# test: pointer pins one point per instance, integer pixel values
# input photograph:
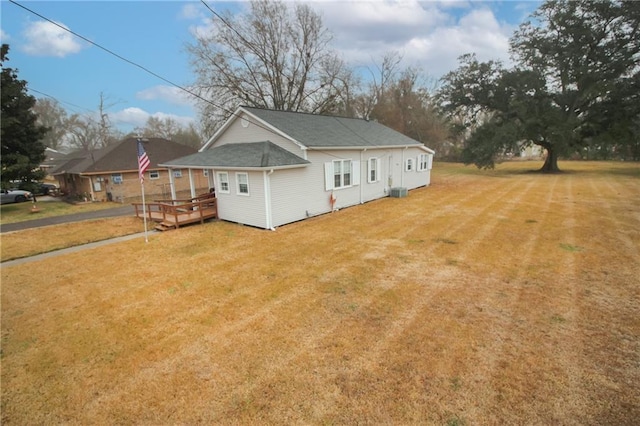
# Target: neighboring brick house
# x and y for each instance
(111, 173)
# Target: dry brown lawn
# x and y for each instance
(495, 297)
(15, 245)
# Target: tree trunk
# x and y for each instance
(551, 162)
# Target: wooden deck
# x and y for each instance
(171, 214)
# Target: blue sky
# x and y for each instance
(153, 34)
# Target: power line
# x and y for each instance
(147, 70)
(111, 52)
(143, 68)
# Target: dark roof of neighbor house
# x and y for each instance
(52, 158)
(241, 155)
(323, 131)
(122, 156)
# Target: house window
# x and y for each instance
(374, 170)
(242, 180)
(116, 178)
(223, 182)
(205, 172)
(177, 173)
(341, 173)
(423, 162)
(409, 165)
(154, 174)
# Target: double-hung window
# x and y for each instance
(409, 165)
(423, 162)
(242, 180)
(223, 182)
(373, 172)
(341, 173)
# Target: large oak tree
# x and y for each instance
(574, 87)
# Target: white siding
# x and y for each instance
(237, 133)
(414, 178)
(248, 210)
(292, 195)
(299, 193)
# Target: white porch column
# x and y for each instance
(191, 185)
(172, 184)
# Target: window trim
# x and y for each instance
(373, 165)
(423, 162)
(408, 165)
(116, 178)
(152, 172)
(341, 173)
(238, 187)
(177, 173)
(223, 178)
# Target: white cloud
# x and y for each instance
(137, 117)
(43, 38)
(170, 94)
(191, 11)
(431, 35)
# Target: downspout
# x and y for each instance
(267, 199)
(362, 181)
(402, 167)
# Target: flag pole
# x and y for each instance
(143, 165)
(144, 213)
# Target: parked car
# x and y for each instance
(14, 196)
(47, 189)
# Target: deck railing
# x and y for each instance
(178, 212)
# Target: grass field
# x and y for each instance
(29, 242)
(500, 297)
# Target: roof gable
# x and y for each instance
(323, 131)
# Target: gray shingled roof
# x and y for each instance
(324, 131)
(240, 155)
(122, 156)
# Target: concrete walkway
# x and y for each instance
(125, 210)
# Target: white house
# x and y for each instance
(270, 167)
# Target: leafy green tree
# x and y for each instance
(574, 86)
(21, 136)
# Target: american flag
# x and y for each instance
(143, 161)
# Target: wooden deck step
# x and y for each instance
(163, 226)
